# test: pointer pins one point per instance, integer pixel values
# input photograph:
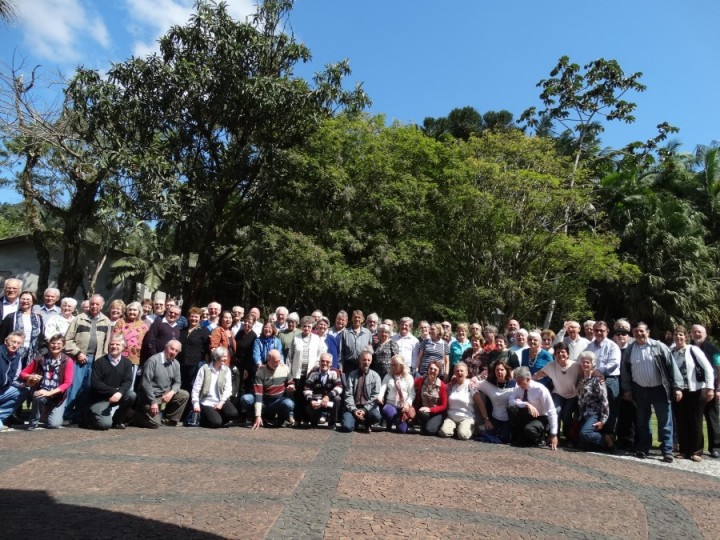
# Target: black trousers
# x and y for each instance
(525, 429)
(212, 418)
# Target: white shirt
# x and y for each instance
(9, 308)
(407, 345)
(607, 357)
(212, 397)
(540, 398)
(460, 402)
(575, 347)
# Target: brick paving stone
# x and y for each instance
(705, 512)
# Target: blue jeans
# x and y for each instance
(77, 397)
(588, 435)
(657, 398)
(9, 400)
(54, 411)
(276, 410)
(348, 419)
(565, 408)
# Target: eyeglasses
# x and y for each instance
(622, 332)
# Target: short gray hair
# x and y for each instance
(522, 372)
(69, 301)
(587, 354)
(218, 353)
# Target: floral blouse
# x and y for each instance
(133, 332)
(592, 398)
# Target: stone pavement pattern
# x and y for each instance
(281, 483)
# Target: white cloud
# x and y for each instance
(59, 30)
(152, 18)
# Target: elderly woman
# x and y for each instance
(266, 342)
(287, 336)
(116, 310)
(475, 358)
(459, 345)
(534, 357)
(501, 352)
(384, 352)
(593, 406)
(133, 329)
(489, 333)
(27, 322)
(396, 395)
(328, 343)
(304, 356)
(521, 339)
(212, 389)
(697, 374)
(547, 338)
(460, 419)
(48, 378)
(430, 400)
(497, 388)
(434, 348)
(59, 323)
(564, 374)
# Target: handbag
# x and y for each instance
(409, 415)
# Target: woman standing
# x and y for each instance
(697, 374)
(116, 310)
(430, 400)
(385, 351)
(396, 395)
(593, 406)
(133, 329)
(460, 419)
(434, 348)
(222, 336)
(59, 323)
(459, 345)
(535, 357)
(564, 375)
(328, 343)
(474, 357)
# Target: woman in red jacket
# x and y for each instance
(430, 399)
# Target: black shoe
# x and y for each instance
(640, 454)
(118, 425)
(714, 454)
(667, 458)
(169, 423)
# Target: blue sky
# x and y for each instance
(419, 58)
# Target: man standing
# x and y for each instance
(650, 378)
(238, 313)
(531, 411)
(406, 341)
(258, 324)
(11, 295)
(588, 327)
(607, 365)
(361, 393)
(353, 341)
(213, 316)
(86, 338)
(323, 393)
(625, 426)
(341, 320)
(162, 330)
(110, 387)
(510, 330)
(273, 392)
(574, 341)
(161, 384)
(158, 310)
(699, 339)
(49, 307)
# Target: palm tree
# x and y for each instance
(7, 10)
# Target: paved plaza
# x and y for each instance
(282, 483)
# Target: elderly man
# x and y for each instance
(258, 324)
(238, 312)
(10, 393)
(158, 310)
(160, 384)
(531, 411)
(273, 393)
(521, 338)
(352, 341)
(361, 393)
(213, 319)
(323, 393)
(573, 340)
(650, 378)
(371, 323)
(588, 329)
(511, 329)
(86, 338)
(111, 395)
(49, 307)
(712, 353)
(406, 341)
(341, 320)
(607, 366)
(162, 330)
(10, 299)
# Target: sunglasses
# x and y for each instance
(622, 332)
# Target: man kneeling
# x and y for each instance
(323, 391)
(160, 383)
(361, 393)
(111, 387)
(273, 386)
(530, 411)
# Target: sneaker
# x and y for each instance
(640, 454)
(169, 423)
(118, 425)
(667, 458)
(33, 426)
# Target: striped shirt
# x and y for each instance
(271, 384)
(643, 368)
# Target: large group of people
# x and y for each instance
(147, 364)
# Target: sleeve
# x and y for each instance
(291, 355)
(68, 376)
(215, 338)
(410, 390)
(375, 385)
(604, 404)
(197, 385)
(146, 381)
(549, 407)
(257, 351)
(71, 347)
(175, 387)
(279, 347)
(127, 377)
(513, 400)
(701, 359)
(349, 395)
(29, 370)
(309, 382)
(417, 385)
(382, 392)
(613, 362)
(259, 391)
(227, 391)
(338, 388)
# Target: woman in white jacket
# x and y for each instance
(396, 395)
(697, 391)
(304, 356)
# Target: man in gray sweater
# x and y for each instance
(161, 385)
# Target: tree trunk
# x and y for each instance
(96, 273)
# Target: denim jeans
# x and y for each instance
(565, 408)
(77, 396)
(589, 436)
(657, 398)
(277, 409)
(348, 419)
(9, 401)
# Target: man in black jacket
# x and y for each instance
(712, 418)
(110, 388)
